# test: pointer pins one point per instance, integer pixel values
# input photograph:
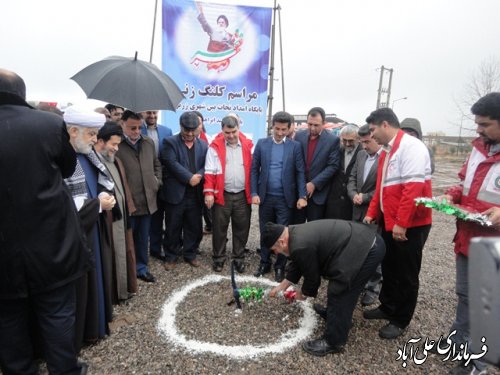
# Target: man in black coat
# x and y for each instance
(344, 253)
(183, 161)
(42, 250)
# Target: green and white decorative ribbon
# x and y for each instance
(442, 205)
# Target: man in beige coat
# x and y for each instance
(137, 152)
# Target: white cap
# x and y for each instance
(85, 117)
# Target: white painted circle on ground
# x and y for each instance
(167, 327)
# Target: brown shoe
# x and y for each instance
(169, 266)
(193, 262)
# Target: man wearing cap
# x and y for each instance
(109, 138)
(157, 133)
(183, 160)
(92, 192)
(43, 251)
(138, 154)
(342, 252)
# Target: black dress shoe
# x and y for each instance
(320, 310)
(262, 270)
(375, 314)
(369, 298)
(390, 331)
(239, 267)
(279, 275)
(158, 256)
(147, 277)
(321, 348)
(217, 267)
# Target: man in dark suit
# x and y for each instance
(322, 159)
(183, 160)
(338, 204)
(342, 252)
(277, 180)
(42, 250)
(363, 176)
(157, 133)
(360, 189)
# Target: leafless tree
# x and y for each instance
(485, 79)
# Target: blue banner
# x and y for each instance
(219, 57)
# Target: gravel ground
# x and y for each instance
(136, 346)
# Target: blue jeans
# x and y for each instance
(341, 306)
(140, 226)
(273, 209)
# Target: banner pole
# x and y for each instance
(271, 73)
(281, 59)
(153, 35)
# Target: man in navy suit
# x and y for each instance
(321, 151)
(277, 179)
(157, 133)
(183, 160)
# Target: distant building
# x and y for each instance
(443, 144)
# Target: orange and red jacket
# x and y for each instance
(408, 177)
(215, 172)
(479, 190)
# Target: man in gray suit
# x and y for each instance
(360, 189)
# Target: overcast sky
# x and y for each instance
(332, 50)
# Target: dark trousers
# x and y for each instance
(274, 209)
(184, 221)
(400, 270)
(156, 230)
(311, 212)
(341, 306)
(54, 314)
(237, 210)
(207, 216)
(141, 225)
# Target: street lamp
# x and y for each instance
(394, 101)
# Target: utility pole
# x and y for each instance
(384, 94)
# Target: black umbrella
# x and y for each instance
(134, 84)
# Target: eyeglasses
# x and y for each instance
(187, 131)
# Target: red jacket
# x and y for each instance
(408, 177)
(215, 168)
(479, 190)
